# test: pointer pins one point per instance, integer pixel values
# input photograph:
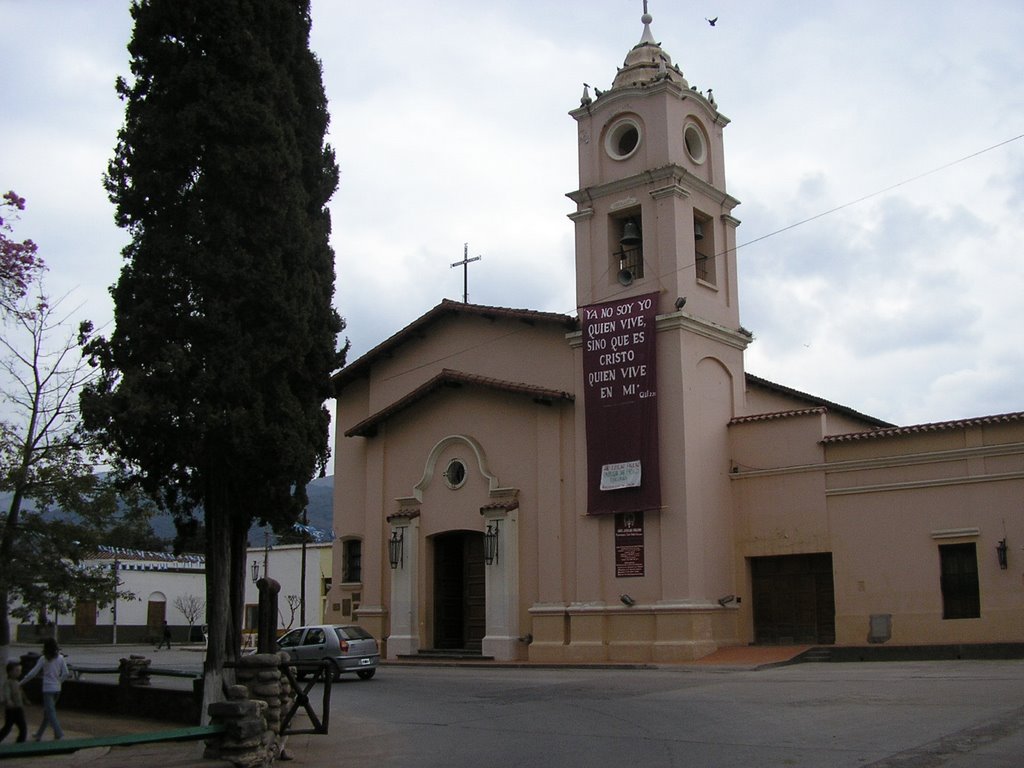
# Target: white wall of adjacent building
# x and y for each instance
(159, 582)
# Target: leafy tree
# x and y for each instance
(128, 524)
(57, 510)
(214, 379)
(190, 535)
(20, 263)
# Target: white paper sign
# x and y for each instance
(624, 475)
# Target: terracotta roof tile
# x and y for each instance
(916, 429)
(507, 504)
(778, 415)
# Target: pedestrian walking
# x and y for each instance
(166, 638)
(14, 703)
(55, 671)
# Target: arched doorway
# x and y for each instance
(459, 591)
(156, 615)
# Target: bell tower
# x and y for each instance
(652, 211)
(653, 218)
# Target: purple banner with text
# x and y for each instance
(621, 401)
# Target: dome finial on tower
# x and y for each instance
(647, 36)
(646, 63)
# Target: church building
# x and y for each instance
(615, 487)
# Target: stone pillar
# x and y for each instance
(261, 676)
(266, 639)
(133, 671)
(253, 713)
(243, 742)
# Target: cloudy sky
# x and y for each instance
(449, 119)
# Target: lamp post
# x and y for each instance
(113, 607)
(302, 575)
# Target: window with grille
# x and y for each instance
(352, 561)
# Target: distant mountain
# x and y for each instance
(319, 514)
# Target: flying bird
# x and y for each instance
(711, 21)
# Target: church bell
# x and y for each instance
(630, 235)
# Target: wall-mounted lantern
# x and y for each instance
(396, 548)
(1001, 549)
(255, 571)
(491, 543)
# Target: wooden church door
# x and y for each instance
(459, 591)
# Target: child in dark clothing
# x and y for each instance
(14, 703)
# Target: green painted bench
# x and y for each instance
(61, 746)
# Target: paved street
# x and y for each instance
(881, 714)
(884, 715)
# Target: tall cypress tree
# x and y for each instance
(215, 375)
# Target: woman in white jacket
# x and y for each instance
(55, 672)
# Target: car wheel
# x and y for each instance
(366, 674)
(333, 669)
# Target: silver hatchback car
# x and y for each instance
(345, 648)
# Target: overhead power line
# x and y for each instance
(788, 227)
(880, 192)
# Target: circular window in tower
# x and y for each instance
(622, 139)
(696, 146)
(455, 474)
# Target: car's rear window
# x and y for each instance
(353, 633)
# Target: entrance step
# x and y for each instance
(452, 654)
(817, 654)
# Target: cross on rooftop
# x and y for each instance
(465, 271)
